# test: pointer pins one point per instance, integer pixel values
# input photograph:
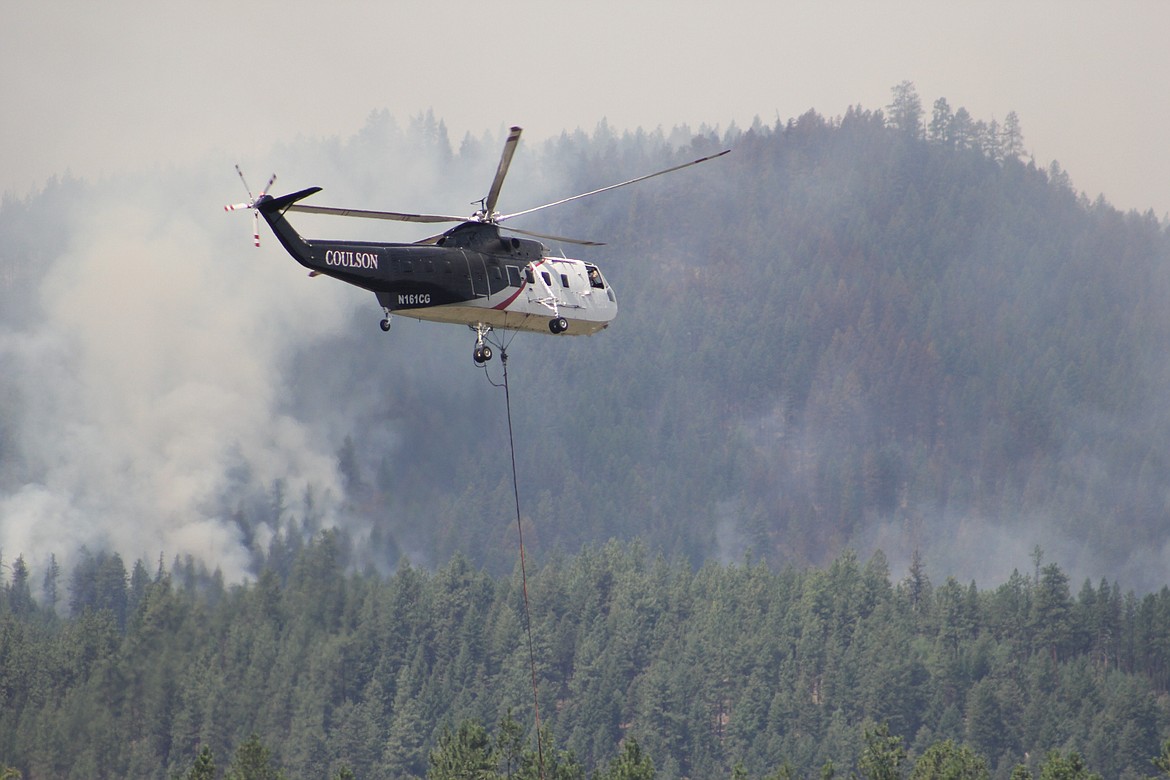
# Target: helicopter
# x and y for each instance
(471, 274)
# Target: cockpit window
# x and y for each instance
(595, 279)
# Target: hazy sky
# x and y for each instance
(95, 88)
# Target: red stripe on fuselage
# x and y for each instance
(504, 305)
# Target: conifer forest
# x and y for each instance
(868, 479)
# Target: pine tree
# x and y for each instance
(1052, 616)
(1013, 137)
(630, 764)
(1059, 766)
(253, 762)
(204, 766)
(1162, 761)
(19, 594)
(464, 754)
(940, 123)
(948, 761)
(883, 755)
(905, 110)
(50, 588)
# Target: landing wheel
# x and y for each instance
(482, 354)
(385, 325)
(558, 324)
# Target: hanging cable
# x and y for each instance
(523, 568)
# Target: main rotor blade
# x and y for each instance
(431, 240)
(579, 241)
(395, 216)
(613, 186)
(493, 195)
(582, 242)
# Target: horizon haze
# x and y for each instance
(94, 91)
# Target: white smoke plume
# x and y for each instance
(151, 378)
(167, 374)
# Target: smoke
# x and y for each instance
(150, 378)
(162, 376)
(972, 547)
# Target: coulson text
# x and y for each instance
(348, 259)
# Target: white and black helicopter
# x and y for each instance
(471, 274)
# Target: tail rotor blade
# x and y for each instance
(251, 204)
(245, 181)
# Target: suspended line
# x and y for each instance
(523, 571)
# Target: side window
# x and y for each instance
(547, 279)
(529, 276)
(513, 276)
(564, 280)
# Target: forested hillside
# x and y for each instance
(841, 333)
(890, 332)
(723, 668)
(885, 330)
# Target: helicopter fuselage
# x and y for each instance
(471, 274)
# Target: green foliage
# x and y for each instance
(204, 766)
(252, 761)
(465, 754)
(630, 764)
(883, 755)
(644, 667)
(1071, 766)
(1162, 760)
(894, 327)
(469, 753)
(948, 761)
(782, 772)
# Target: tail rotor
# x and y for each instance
(251, 204)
